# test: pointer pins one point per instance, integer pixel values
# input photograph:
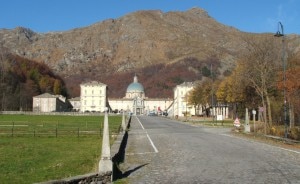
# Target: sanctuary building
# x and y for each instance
(93, 98)
(136, 102)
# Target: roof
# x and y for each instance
(187, 84)
(45, 95)
(135, 86)
(75, 99)
(93, 83)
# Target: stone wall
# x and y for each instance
(91, 178)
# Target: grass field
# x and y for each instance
(26, 157)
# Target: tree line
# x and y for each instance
(21, 79)
(257, 82)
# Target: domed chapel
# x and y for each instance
(135, 89)
(136, 102)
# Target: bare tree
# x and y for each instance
(259, 68)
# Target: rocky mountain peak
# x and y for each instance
(24, 31)
(198, 12)
(129, 43)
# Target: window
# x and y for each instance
(100, 92)
(92, 92)
(84, 102)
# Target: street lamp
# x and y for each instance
(280, 33)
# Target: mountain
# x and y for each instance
(113, 50)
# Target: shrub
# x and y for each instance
(295, 133)
(277, 131)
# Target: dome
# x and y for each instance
(135, 86)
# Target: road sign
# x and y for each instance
(236, 122)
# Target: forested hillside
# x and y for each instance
(21, 79)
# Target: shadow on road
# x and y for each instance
(120, 157)
(127, 173)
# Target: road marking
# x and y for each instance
(298, 152)
(155, 149)
(151, 142)
(140, 123)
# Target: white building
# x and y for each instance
(137, 103)
(180, 106)
(93, 97)
(75, 102)
(49, 103)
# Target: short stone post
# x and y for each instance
(254, 113)
(247, 125)
(105, 164)
(123, 122)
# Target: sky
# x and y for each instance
(255, 16)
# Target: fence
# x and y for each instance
(50, 129)
(54, 113)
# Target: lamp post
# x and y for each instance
(280, 33)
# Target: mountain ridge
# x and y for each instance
(129, 44)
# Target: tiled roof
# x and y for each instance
(45, 95)
(93, 83)
(75, 99)
(187, 84)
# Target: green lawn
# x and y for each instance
(28, 158)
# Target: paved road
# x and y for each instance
(160, 150)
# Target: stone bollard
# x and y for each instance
(247, 125)
(105, 164)
(123, 123)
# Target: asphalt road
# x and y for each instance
(160, 150)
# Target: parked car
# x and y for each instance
(152, 113)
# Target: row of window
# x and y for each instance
(93, 102)
(92, 92)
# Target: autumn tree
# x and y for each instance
(258, 68)
(201, 96)
(231, 90)
(292, 85)
(57, 87)
(195, 97)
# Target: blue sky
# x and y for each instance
(256, 16)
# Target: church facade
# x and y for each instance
(136, 102)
